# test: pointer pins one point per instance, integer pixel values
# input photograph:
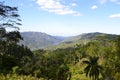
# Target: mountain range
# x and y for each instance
(38, 40)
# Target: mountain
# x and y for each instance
(37, 40)
(82, 39)
(90, 36)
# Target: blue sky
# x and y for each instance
(69, 17)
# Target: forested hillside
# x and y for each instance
(96, 59)
(82, 39)
(38, 40)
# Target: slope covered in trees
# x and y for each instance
(38, 40)
(98, 59)
(82, 39)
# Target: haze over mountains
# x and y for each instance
(38, 40)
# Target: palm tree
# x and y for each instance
(92, 69)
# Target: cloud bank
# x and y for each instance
(56, 7)
(114, 16)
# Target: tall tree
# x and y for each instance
(9, 20)
(9, 16)
(92, 69)
(10, 51)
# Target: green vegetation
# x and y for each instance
(92, 69)
(98, 59)
(38, 40)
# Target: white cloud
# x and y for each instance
(56, 7)
(73, 4)
(114, 16)
(94, 7)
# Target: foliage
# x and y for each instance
(18, 77)
(9, 16)
(92, 69)
(18, 62)
(11, 52)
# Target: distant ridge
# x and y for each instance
(89, 36)
(38, 40)
(82, 39)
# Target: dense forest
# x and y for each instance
(99, 59)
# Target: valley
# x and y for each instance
(38, 40)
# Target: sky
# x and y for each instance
(68, 17)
